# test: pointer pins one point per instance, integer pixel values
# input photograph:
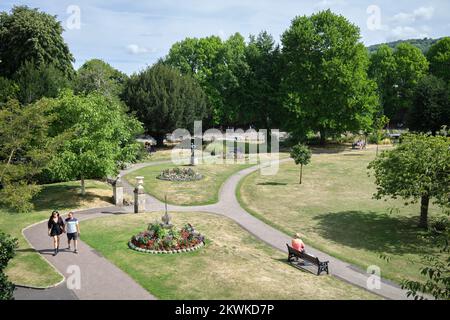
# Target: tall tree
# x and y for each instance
(326, 75)
(383, 69)
(418, 169)
(411, 66)
(439, 58)
(26, 148)
(103, 137)
(30, 35)
(431, 106)
(199, 58)
(165, 100)
(98, 76)
(8, 90)
(260, 86)
(218, 66)
(36, 81)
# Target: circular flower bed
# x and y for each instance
(158, 239)
(180, 174)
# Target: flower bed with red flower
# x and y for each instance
(159, 239)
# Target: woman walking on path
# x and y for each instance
(55, 229)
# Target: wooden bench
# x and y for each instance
(308, 261)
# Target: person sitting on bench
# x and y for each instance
(297, 243)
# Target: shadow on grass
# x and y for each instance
(372, 231)
(58, 197)
(331, 149)
(272, 184)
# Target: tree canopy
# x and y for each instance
(30, 35)
(262, 101)
(98, 76)
(302, 156)
(102, 136)
(419, 168)
(26, 148)
(439, 58)
(165, 100)
(325, 79)
(219, 67)
(430, 110)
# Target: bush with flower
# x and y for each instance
(180, 174)
(158, 238)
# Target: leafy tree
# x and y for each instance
(262, 105)
(417, 169)
(439, 58)
(397, 74)
(36, 81)
(25, 150)
(325, 76)
(30, 35)
(383, 69)
(431, 106)
(8, 90)
(302, 156)
(103, 137)
(98, 76)
(199, 58)
(437, 271)
(411, 66)
(8, 248)
(165, 100)
(218, 66)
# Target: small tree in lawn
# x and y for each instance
(418, 169)
(302, 156)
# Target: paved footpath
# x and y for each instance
(100, 279)
(103, 280)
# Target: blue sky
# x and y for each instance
(131, 35)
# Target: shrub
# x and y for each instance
(8, 246)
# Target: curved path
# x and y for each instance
(100, 279)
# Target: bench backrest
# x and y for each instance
(303, 255)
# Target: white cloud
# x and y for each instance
(135, 49)
(330, 3)
(422, 13)
(401, 33)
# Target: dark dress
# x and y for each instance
(56, 228)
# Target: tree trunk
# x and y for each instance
(424, 203)
(323, 137)
(160, 140)
(83, 186)
(301, 173)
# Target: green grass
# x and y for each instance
(334, 211)
(201, 192)
(205, 191)
(28, 267)
(233, 264)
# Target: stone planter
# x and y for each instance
(174, 251)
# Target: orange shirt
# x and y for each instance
(298, 244)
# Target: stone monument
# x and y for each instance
(118, 191)
(139, 196)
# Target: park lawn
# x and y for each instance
(334, 211)
(233, 264)
(28, 267)
(202, 192)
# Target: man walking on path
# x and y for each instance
(73, 231)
